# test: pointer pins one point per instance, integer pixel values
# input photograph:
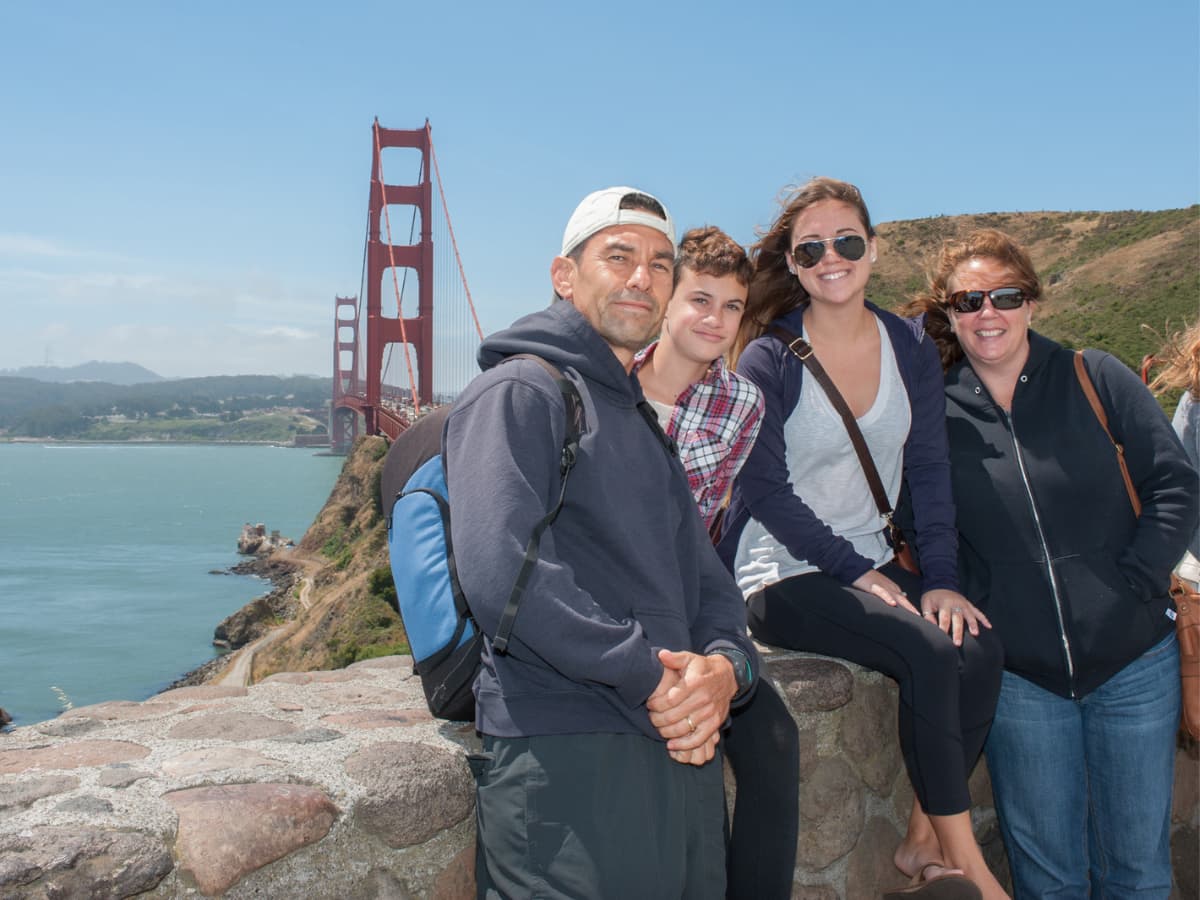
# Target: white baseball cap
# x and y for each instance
(601, 209)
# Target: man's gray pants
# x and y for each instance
(597, 816)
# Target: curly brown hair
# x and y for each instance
(986, 243)
(774, 290)
(710, 251)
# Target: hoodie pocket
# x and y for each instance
(1106, 616)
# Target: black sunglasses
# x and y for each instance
(849, 247)
(972, 301)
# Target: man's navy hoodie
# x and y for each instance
(626, 569)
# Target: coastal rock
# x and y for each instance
(83, 862)
(247, 624)
(226, 832)
(255, 618)
(5, 718)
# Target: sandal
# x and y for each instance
(940, 887)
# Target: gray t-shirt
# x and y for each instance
(827, 476)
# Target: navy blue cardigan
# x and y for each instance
(764, 490)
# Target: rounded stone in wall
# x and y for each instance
(812, 684)
(81, 862)
(414, 790)
(870, 866)
(831, 813)
(868, 734)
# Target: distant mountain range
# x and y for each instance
(125, 373)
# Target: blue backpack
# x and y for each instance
(445, 639)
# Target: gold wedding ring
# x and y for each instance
(691, 725)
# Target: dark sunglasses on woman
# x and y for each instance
(972, 301)
(849, 247)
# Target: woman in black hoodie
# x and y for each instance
(1072, 577)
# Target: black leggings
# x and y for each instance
(947, 694)
(763, 749)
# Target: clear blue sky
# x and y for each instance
(184, 186)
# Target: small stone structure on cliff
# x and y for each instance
(254, 540)
(339, 784)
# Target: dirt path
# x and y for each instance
(239, 671)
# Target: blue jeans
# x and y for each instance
(1083, 787)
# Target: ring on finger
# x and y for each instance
(691, 725)
(956, 611)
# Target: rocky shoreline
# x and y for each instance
(251, 621)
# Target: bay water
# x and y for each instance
(107, 553)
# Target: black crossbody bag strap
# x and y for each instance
(570, 450)
(803, 351)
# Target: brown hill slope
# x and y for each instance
(1105, 274)
(344, 552)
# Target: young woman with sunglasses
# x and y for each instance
(1075, 582)
(807, 542)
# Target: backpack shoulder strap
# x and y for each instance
(576, 426)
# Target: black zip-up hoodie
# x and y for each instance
(1049, 547)
(626, 569)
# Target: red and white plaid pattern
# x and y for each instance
(714, 423)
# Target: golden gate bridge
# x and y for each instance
(396, 351)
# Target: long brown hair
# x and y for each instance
(1180, 355)
(985, 243)
(774, 290)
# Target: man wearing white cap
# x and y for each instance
(600, 775)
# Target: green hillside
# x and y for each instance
(1105, 274)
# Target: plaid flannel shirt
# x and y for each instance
(715, 422)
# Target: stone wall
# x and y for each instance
(340, 785)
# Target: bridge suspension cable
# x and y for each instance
(453, 242)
